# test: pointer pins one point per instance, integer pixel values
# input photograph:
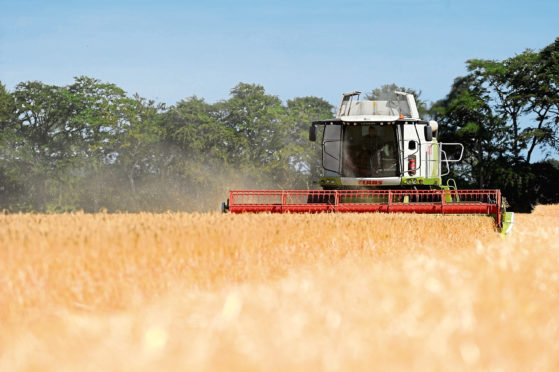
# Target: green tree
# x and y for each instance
(502, 111)
(507, 101)
(140, 157)
(303, 156)
(197, 145)
(255, 120)
(466, 117)
(42, 140)
(100, 117)
(192, 124)
(523, 90)
(10, 174)
(66, 146)
(542, 89)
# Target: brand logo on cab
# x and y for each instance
(369, 182)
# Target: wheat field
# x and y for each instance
(178, 291)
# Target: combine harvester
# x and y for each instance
(379, 156)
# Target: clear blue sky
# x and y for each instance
(169, 50)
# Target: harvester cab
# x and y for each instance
(379, 144)
(379, 156)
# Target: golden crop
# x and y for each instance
(181, 291)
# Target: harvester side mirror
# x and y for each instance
(411, 145)
(312, 133)
(428, 133)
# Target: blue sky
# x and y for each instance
(169, 50)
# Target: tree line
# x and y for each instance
(90, 146)
(505, 112)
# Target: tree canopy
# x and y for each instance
(502, 111)
(89, 146)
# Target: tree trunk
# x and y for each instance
(131, 180)
(541, 119)
(532, 146)
(515, 152)
(480, 162)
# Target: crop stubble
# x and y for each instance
(211, 291)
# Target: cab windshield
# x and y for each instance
(370, 151)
